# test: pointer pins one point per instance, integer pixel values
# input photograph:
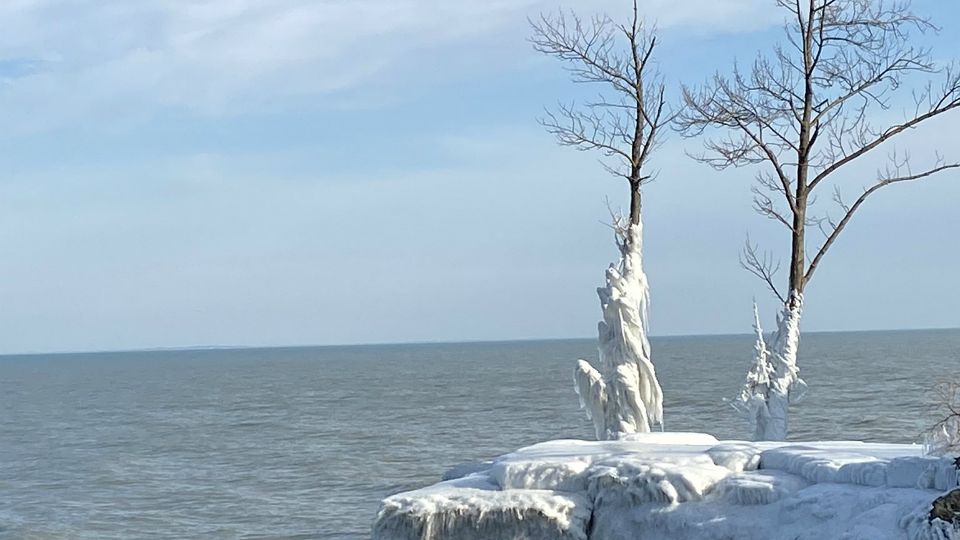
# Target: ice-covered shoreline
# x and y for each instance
(679, 486)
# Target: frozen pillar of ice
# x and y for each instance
(774, 382)
(624, 396)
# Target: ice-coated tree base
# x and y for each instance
(774, 382)
(623, 396)
(683, 486)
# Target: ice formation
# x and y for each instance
(683, 486)
(474, 508)
(944, 437)
(774, 382)
(624, 396)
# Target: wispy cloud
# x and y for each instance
(108, 60)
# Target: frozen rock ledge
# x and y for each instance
(683, 486)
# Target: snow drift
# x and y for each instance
(683, 486)
(624, 396)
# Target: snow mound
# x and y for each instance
(474, 509)
(683, 486)
(941, 474)
(761, 487)
(635, 480)
(895, 466)
(566, 475)
(737, 457)
(919, 526)
(827, 465)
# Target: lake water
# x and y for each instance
(304, 442)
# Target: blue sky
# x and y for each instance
(286, 172)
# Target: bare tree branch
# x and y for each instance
(804, 112)
(850, 210)
(948, 101)
(624, 124)
(763, 266)
(943, 437)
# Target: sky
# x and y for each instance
(293, 172)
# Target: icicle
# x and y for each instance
(589, 385)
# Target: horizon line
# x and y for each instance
(185, 348)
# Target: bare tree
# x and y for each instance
(624, 125)
(944, 436)
(625, 121)
(811, 110)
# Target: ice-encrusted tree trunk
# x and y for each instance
(807, 112)
(625, 397)
(623, 124)
(773, 382)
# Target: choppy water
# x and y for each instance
(302, 443)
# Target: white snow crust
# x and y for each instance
(475, 508)
(683, 486)
(623, 396)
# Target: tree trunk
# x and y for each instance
(797, 255)
(635, 202)
(786, 386)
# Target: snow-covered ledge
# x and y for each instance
(680, 486)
